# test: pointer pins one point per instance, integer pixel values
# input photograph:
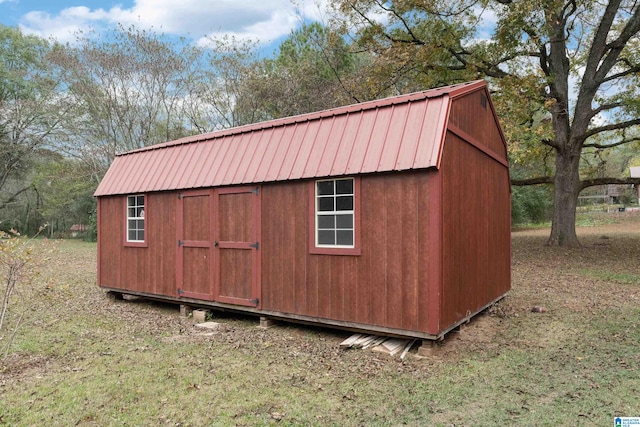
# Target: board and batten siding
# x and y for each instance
(476, 220)
(150, 269)
(386, 285)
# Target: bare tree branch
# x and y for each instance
(611, 127)
(533, 181)
(605, 107)
(634, 69)
(583, 184)
(15, 195)
(604, 181)
(404, 22)
(615, 144)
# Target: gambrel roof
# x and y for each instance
(393, 134)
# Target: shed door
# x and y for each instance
(237, 248)
(195, 257)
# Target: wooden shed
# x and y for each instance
(391, 216)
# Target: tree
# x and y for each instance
(129, 89)
(66, 188)
(311, 71)
(537, 52)
(314, 66)
(229, 95)
(31, 107)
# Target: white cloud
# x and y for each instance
(64, 25)
(279, 24)
(264, 20)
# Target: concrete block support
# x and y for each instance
(199, 316)
(266, 323)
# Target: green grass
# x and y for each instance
(81, 360)
(583, 219)
(610, 276)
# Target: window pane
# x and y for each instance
(344, 221)
(140, 212)
(131, 201)
(140, 224)
(325, 188)
(131, 212)
(345, 237)
(132, 235)
(344, 203)
(141, 235)
(132, 224)
(325, 204)
(326, 237)
(344, 186)
(140, 200)
(326, 221)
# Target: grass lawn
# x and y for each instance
(82, 360)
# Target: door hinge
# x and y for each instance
(180, 291)
(180, 243)
(256, 191)
(179, 196)
(255, 245)
(255, 301)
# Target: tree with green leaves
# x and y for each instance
(65, 187)
(311, 71)
(314, 66)
(32, 108)
(564, 74)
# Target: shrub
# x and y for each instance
(19, 266)
(531, 204)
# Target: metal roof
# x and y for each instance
(392, 134)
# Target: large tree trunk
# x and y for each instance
(566, 190)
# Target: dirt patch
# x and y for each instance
(16, 366)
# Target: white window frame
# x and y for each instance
(139, 215)
(335, 212)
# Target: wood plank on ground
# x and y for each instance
(379, 343)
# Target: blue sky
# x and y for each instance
(267, 21)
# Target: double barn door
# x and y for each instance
(218, 247)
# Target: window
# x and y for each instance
(334, 213)
(135, 218)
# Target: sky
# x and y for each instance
(267, 21)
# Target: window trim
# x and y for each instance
(136, 243)
(335, 250)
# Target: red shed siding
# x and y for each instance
(476, 228)
(385, 286)
(468, 114)
(150, 269)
